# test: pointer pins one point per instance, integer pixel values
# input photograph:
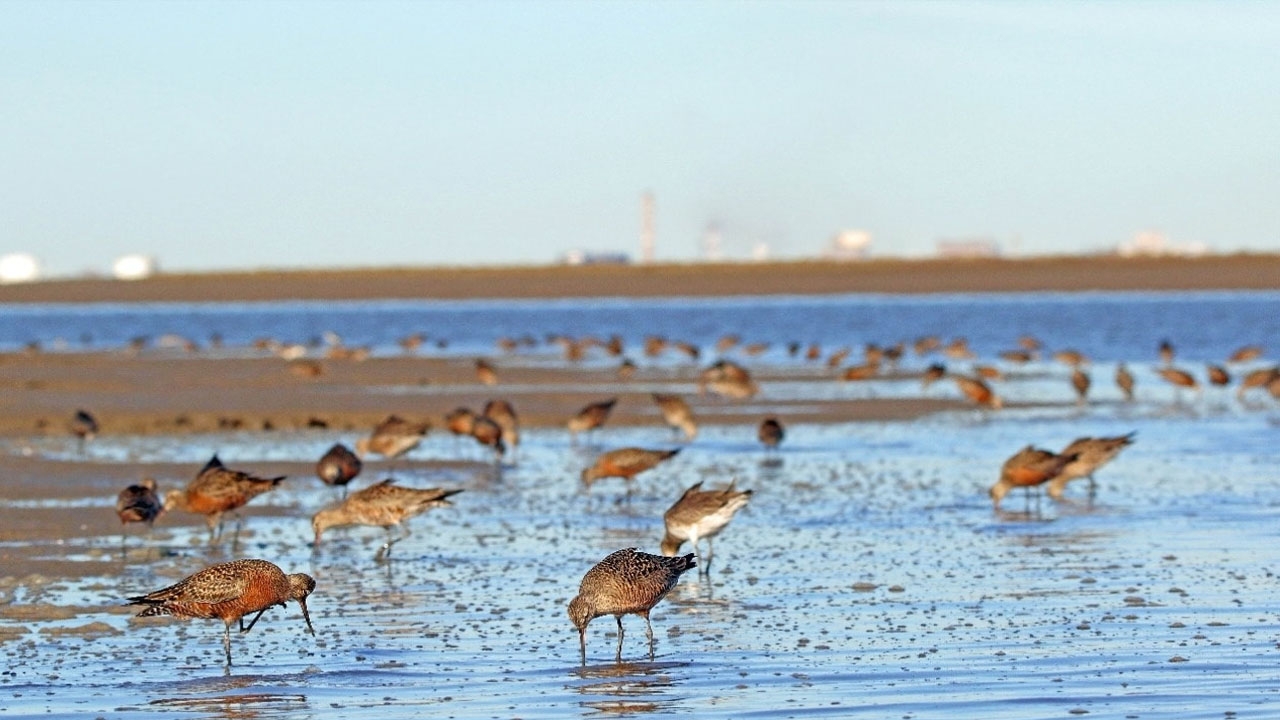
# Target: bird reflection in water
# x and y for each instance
(628, 687)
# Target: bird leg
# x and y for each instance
(384, 552)
(710, 554)
(226, 643)
(648, 629)
(618, 655)
(244, 629)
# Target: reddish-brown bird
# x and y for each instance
(217, 489)
(504, 413)
(230, 591)
(489, 433)
(1124, 380)
(485, 372)
(627, 582)
(625, 463)
(385, 505)
(1080, 383)
(978, 391)
(1028, 468)
(339, 466)
(770, 433)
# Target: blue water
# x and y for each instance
(869, 576)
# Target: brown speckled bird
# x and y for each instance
(393, 437)
(978, 391)
(590, 417)
(339, 466)
(625, 463)
(677, 414)
(504, 413)
(1090, 455)
(217, 489)
(84, 426)
(385, 505)
(1124, 381)
(1028, 468)
(626, 582)
(229, 591)
(139, 503)
(700, 514)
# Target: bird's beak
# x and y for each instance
(307, 616)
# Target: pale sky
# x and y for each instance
(322, 134)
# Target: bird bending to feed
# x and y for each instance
(339, 466)
(217, 489)
(677, 414)
(504, 413)
(386, 505)
(978, 391)
(590, 417)
(1179, 379)
(229, 591)
(488, 433)
(393, 437)
(701, 514)
(770, 433)
(1090, 455)
(1028, 468)
(626, 582)
(625, 463)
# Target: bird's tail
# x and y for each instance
(683, 564)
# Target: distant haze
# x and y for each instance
(247, 135)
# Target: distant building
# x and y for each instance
(133, 267)
(587, 257)
(978, 247)
(1152, 244)
(19, 268)
(848, 245)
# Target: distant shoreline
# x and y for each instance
(1056, 274)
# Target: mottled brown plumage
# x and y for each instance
(626, 582)
(625, 463)
(932, 374)
(485, 372)
(393, 437)
(385, 505)
(504, 413)
(230, 591)
(339, 466)
(1028, 468)
(488, 433)
(677, 414)
(1124, 381)
(217, 489)
(700, 514)
(978, 391)
(1090, 455)
(1080, 383)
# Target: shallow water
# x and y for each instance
(869, 577)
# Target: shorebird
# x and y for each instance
(393, 437)
(1020, 357)
(926, 344)
(677, 414)
(386, 505)
(727, 379)
(625, 463)
(958, 349)
(627, 582)
(217, 489)
(1074, 358)
(1080, 382)
(837, 356)
(84, 426)
(1257, 379)
(727, 343)
(770, 433)
(626, 369)
(504, 413)
(1028, 468)
(230, 591)
(485, 372)
(1090, 455)
(1218, 375)
(978, 391)
(1166, 352)
(489, 433)
(339, 466)
(589, 418)
(1124, 380)
(866, 371)
(139, 503)
(459, 421)
(701, 514)
(1245, 354)
(932, 374)
(1179, 379)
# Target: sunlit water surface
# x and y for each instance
(869, 576)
